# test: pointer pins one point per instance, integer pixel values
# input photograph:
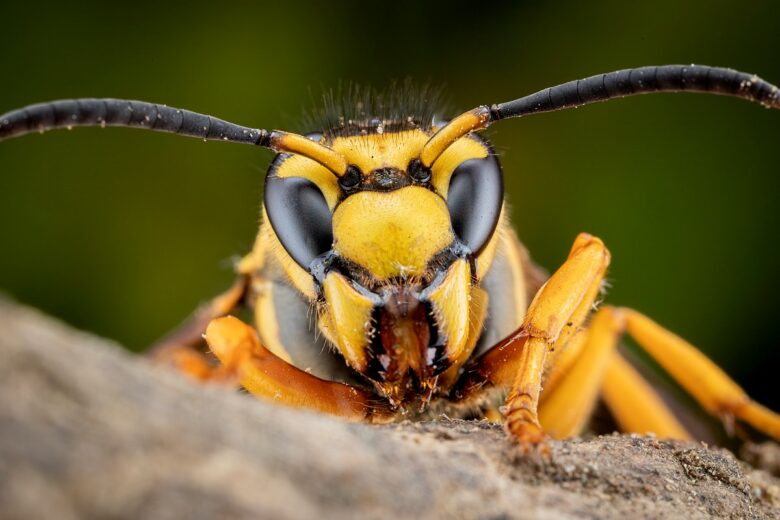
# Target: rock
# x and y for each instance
(89, 431)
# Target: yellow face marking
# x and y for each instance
(397, 149)
(300, 166)
(450, 302)
(348, 317)
(392, 233)
(388, 150)
(367, 152)
(464, 149)
(478, 304)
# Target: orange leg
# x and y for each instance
(637, 408)
(578, 364)
(553, 317)
(699, 376)
(572, 388)
(568, 401)
(634, 403)
(263, 374)
(180, 349)
(499, 366)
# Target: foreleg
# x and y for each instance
(263, 374)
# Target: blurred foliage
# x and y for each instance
(124, 232)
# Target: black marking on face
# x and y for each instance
(386, 179)
(436, 359)
(352, 179)
(419, 173)
(381, 179)
(378, 360)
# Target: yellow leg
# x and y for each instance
(569, 398)
(565, 358)
(568, 404)
(557, 309)
(575, 374)
(572, 388)
(263, 374)
(699, 376)
(636, 406)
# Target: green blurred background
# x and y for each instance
(124, 232)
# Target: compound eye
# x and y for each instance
(474, 199)
(300, 217)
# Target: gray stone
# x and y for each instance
(89, 431)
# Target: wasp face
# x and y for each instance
(391, 253)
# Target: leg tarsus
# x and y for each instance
(523, 426)
(522, 422)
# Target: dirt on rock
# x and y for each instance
(88, 431)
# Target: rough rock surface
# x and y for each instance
(88, 431)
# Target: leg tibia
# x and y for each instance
(699, 376)
(561, 304)
(636, 407)
(567, 405)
